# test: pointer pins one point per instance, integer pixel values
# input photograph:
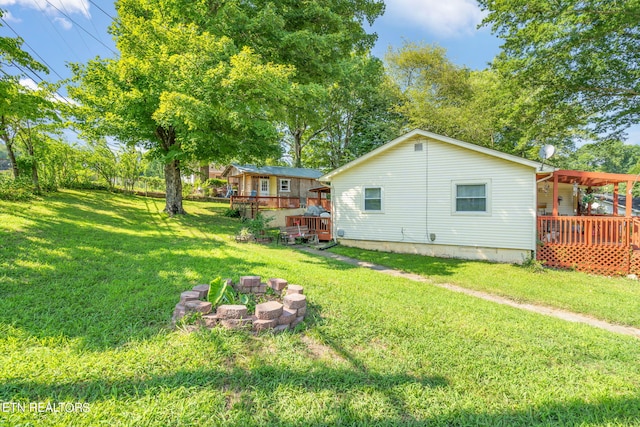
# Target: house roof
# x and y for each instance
(274, 170)
(419, 133)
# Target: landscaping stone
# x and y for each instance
(278, 284)
(287, 316)
(295, 301)
(228, 311)
(202, 290)
(276, 316)
(269, 310)
(280, 328)
(297, 321)
(237, 323)
(210, 320)
(295, 289)
(203, 307)
(249, 281)
(264, 324)
(189, 296)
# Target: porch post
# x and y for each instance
(629, 200)
(615, 199)
(555, 194)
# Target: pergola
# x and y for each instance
(592, 179)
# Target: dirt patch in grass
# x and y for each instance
(317, 350)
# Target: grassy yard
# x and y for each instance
(614, 299)
(88, 282)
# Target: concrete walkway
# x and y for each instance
(547, 311)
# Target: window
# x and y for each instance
(373, 199)
(285, 185)
(471, 198)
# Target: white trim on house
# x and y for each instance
(434, 136)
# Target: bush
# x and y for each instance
(20, 189)
(232, 213)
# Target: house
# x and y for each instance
(433, 195)
(273, 186)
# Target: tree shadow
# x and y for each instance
(107, 276)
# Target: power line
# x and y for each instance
(82, 28)
(32, 49)
(101, 10)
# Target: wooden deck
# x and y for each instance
(602, 245)
(319, 225)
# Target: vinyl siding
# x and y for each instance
(418, 198)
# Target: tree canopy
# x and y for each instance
(573, 53)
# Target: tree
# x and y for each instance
(357, 113)
(180, 91)
(15, 101)
(482, 107)
(577, 53)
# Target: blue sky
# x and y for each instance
(57, 32)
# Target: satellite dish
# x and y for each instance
(546, 151)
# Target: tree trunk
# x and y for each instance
(9, 143)
(204, 173)
(172, 178)
(173, 183)
(297, 148)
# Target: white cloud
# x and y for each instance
(447, 18)
(55, 8)
(32, 85)
(29, 84)
(63, 22)
(7, 16)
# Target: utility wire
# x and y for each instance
(82, 28)
(32, 49)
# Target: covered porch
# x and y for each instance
(575, 231)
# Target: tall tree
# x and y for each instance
(482, 107)
(573, 52)
(181, 91)
(15, 100)
(358, 113)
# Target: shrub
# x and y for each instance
(20, 189)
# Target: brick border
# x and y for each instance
(276, 316)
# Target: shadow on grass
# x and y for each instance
(101, 268)
(250, 388)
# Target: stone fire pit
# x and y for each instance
(285, 309)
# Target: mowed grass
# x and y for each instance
(614, 299)
(88, 282)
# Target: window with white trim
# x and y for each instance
(373, 199)
(285, 185)
(471, 198)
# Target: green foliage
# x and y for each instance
(16, 189)
(231, 213)
(258, 225)
(581, 55)
(416, 355)
(221, 293)
(216, 182)
(190, 318)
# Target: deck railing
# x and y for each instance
(313, 201)
(319, 225)
(589, 231)
(269, 202)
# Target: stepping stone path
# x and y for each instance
(272, 316)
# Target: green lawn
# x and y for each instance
(88, 282)
(614, 299)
